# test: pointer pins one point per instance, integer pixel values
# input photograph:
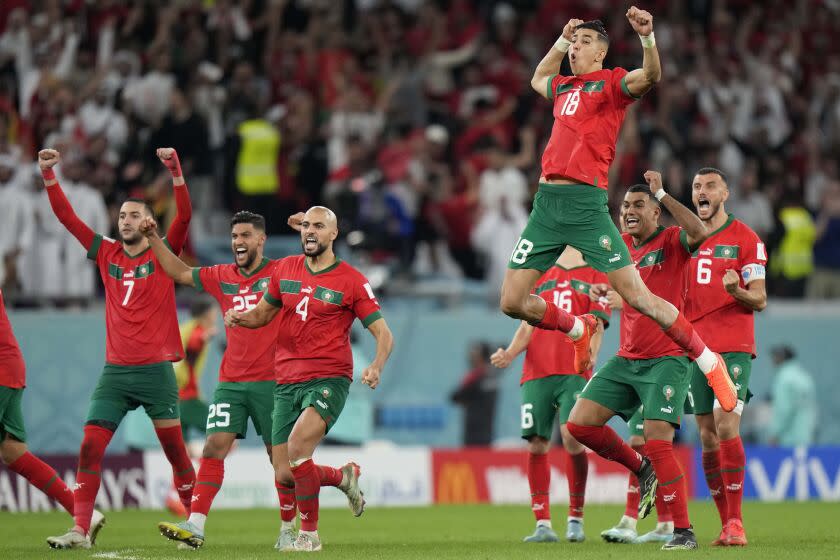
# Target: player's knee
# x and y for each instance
(11, 451)
(709, 439)
(538, 445)
(214, 450)
(284, 476)
(510, 304)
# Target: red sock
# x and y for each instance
(44, 478)
(711, 467)
(671, 480)
(183, 472)
(663, 510)
(555, 319)
(577, 469)
(605, 442)
(631, 508)
(329, 476)
(539, 480)
(286, 497)
(95, 441)
(307, 488)
(211, 474)
(733, 461)
(684, 334)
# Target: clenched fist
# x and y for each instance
(731, 281)
(569, 28)
(169, 158)
(48, 158)
(148, 227)
(501, 358)
(640, 20)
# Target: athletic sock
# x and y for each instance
(539, 480)
(686, 337)
(183, 472)
(556, 319)
(714, 480)
(631, 508)
(44, 478)
(329, 476)
(307, 488)
(733, 461)
(577, 469)
(88, 479)
(663, 510)
(211, 474)
(288, 505)
(605, 442)
(671, 480)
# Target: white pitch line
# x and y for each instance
(118, 555)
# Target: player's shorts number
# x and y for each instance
(527, 416)
(563, 300)
(704, 271)
(570, 106)
(302, 308)
(218, 416)
(523, 248)
(245, 303)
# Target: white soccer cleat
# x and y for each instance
(97, 521)
(624, 532)
(286, 540)
(350, 486)
(70, 539)
(307, 541)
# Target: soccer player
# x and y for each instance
(13, 450)
(570, 207)
(195, 336)
(650, 369)
(246, 376)
(725, 289)
(549, 387)
(315, 297)
(142, 340)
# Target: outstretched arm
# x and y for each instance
(549, 66)
(174, 267)
(384, 344)
(255, 318)
(641, 80)
(503, 357)
(180, 226)
(690, 222)
(58, 201)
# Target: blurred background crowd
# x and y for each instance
(414, 120)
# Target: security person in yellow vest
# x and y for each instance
(255, 169)
(793, 260)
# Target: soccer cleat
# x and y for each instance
(70, 539)
(184, 531)
(662, 534)
(350, 486)
(735, 534)
(721, 540)
(97, 521)
(175, 507)
(307, 541)
(647, 488)
(574, 531)
(683, 539)
(722, 385)
(286, 540)
(583, 356)
(621, 533)
(543, 533)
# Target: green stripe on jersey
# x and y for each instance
(562, 88)
(229, 289)
(580, 286)
(289, 286)
(545, 286)
(328, 296)
(726, 251)
(115, 271)
(593, 87)
(652, 258)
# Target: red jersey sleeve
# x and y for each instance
(206, 279)
(68, 217)
(598, 308)
(180, 226)
(273, 295)
(99, 241)
(621, 96)
(365, 306)
(753, 258)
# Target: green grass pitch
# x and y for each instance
(782, 530)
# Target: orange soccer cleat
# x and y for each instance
(735, 534)
(583, 356)
(721, 384)
(721, 540)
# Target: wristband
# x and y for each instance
(648, 41)
(48, 174)
(562, 44)
(660, 194)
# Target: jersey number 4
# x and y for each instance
(302, 308)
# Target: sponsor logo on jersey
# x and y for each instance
(195, 497)
(733, 487)
(539, 506)
(605, 242)
(615, 258)
(666, 410)
(322, 404)
(326, 393)
(669, 497)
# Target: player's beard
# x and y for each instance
(132, 238)
(714, 208)
(316, 253)
(251, 257)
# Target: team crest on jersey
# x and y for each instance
(326, 393)
(668, 391)
(736, 371)
(605, 242)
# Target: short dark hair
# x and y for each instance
(710, 170)
(640, 188)
(245, 217)
(199, 306)
(148, 207)
(597, 26)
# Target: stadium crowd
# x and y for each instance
(414, 120)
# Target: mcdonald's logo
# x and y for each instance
(456, 484)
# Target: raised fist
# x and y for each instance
(48, 158)
(169, 158)
(569, 29)
(295, 221)
(654, 179)
(640, 20)
(148, 227)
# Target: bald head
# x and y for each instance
(319, 229)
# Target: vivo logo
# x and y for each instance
(794, 478)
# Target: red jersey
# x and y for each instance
(723, 323)
(140, 317)
(552, 352)
(317, 311)
(12, 367)
(195, 346)
(249, 355)
(662, 261)
(588, 112)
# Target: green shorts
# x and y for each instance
(739, 365)
(575, 215)
(660, 385)
(193, 416)
(543, 399)
(327, 396)
(235, 402)
(124, 388)
(637, 423)
(11, 414)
